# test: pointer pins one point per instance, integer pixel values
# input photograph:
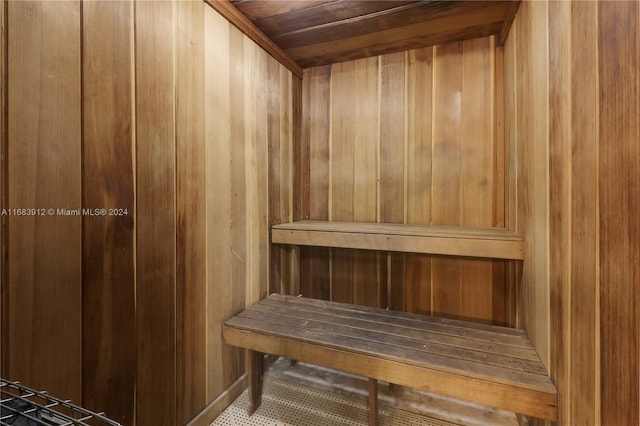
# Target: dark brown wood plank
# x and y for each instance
(108, 292)
(191, 262)
(44, 287)
(619, 204)
(379, 318)
(326, 13)
(438, 15)
(155, 216)
(484, 352)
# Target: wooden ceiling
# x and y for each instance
(318, 32)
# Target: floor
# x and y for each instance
(300, 394)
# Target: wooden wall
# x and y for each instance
(572, 84)
(409, 137)
(165, 110)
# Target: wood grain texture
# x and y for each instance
(478, 185)
(190, 169)
(316, 104)
(584, 210)
(560, 206)
(108, 254)
(44, 172)
(156, 393)
(447, 153)
(222, 363)
(354, 338)
(391, 168)
(533, 220)
(407, 155)
(369, 286)
(619, 223)
(419, 163)
(226, 9)
(330, 32)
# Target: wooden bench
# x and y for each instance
(490, 365)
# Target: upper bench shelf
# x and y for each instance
(496, 243)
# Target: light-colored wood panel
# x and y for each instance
(446, 180)
(342, 157)
(44, 172)
(318, 103)
(108, 290)
(477, 190)
(239, 127)
(368, 286)
(619, 222)
(156, 215)
(191, 274)
(391, 198)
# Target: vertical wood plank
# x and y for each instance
(108, 292)
(391, 197)
(222, 360)
(318, 122)
(155, 215)
(342, 173)
(419, 163)
(275, 169)
(477, 191)
(286, 177)
(238, 141)
(511, 164)
(44, 172)
(190, 211)
(445, 207)
(560, 206)
(533, 220)
(584, 211)
(619, 192)
(368, 286)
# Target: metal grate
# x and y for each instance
(286, 403)
(22, 406)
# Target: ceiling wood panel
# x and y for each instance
(318, 32)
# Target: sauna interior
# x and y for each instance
(149, 147)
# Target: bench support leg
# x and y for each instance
(254, 372)
(373, 402)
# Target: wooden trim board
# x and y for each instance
(497, 243)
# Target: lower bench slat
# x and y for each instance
(264, 328)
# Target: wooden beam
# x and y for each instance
(233, 15)
(496, 243)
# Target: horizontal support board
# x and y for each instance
(498, 243)
(403, 349)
